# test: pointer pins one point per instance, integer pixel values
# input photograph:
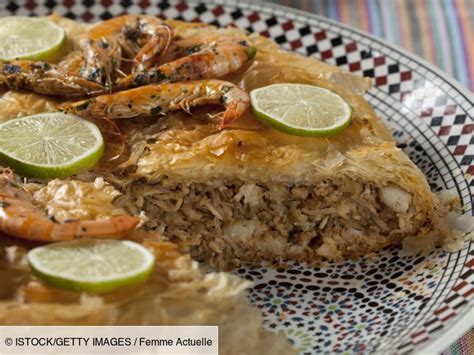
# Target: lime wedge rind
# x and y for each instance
(17, 33)
(100, 283)
(80, 156)
(39, 171)
(277, 105)
(303, 132)
(33, 257)
(91, 286)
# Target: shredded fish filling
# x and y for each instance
(226, 222)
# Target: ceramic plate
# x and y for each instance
(393, 303)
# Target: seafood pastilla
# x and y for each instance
(234, 191)
(227, 191)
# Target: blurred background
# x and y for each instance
(440, 31)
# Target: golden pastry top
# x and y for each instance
(192, 147)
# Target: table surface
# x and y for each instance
(440, 31)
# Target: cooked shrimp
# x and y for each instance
(20, 218)
(210, 61)
(47, 79)
(143, 38)
(161, 99)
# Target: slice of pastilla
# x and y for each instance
(252, 193)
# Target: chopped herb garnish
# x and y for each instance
(193, 49)
(95, 74)
(84, 105)
(11, 69)
(157, 75)
(103, 44)
(223, 100)
(41, 66)
(141, 79)
(251, 51)
(155, 110)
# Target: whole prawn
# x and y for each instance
(143, 38)
(148, 40)
(20, 218)
(205, 61)
(161, 99)
(47, 79)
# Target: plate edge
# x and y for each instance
(438, 71)
(457, 330)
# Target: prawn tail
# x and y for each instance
(233, 111)
(126, 224)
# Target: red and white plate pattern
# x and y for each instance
(393, 304)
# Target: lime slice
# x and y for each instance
(29, 38)
(92, 265)
(50, 145)
(303, 110)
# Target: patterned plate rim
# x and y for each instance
(439, 72)
(460, 327)
(463, 322)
